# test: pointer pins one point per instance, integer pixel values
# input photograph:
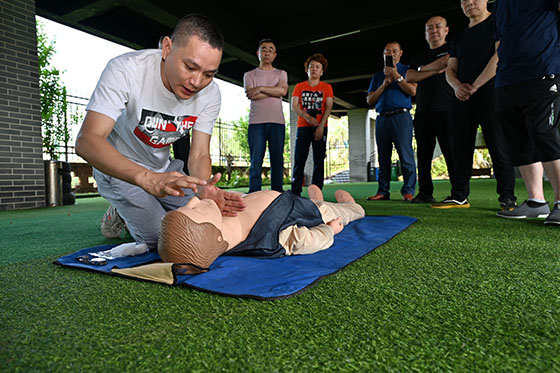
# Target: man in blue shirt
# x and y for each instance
(390, 93)
(527, 98)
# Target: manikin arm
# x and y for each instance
(302, 240)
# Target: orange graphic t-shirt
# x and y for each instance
(312, 100)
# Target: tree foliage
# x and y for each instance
(241, 134)
(54, 104)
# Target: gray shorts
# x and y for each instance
(141, 211)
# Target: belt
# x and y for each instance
(394, 112)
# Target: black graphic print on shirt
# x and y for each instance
(311, 102)
(160, 130)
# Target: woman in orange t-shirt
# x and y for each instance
(312, 101)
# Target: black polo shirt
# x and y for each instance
(433, 94)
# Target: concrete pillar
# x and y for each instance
(361, 143)
(308, 171)
(22, 180)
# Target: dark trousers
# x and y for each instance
(259, 134)
(427, 128)
(467, 115)
(304, 139)
(395, 129)
(181, 149)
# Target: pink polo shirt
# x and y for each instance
(267, 110)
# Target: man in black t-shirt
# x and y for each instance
(433, 105)
(470, 72)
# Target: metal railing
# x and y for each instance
(224, 147)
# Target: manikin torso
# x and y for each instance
(236, 229)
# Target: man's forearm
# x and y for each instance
(259, 96)
(407, 87)
(488, 73)
(413, 76)
(372, 97)
(276, 91)
(104, 157)
(451, 77)
(200, 166)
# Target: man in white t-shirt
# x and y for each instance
(265, 87)
(143, 102)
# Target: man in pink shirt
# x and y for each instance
(265, 87)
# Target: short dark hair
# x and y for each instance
(317, 57)
(394, 42)
(198, 25)
(266, 40)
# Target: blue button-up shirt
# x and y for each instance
(393, 98)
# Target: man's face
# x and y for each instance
(266, 53)
(314, 70)
(393, 49)
(188, 67)
(436, 31)
(474, 8)
(203, 211)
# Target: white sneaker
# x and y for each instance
(112, 224)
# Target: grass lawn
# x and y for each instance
(460, 290)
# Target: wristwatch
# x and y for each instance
(419, 68)
(400, 79)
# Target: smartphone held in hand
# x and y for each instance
(388, 61)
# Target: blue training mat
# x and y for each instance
(271, 278)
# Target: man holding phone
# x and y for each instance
(391, 93)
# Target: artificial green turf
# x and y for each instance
(461, 290)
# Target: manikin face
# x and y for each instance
(436, 31)
(474, 8)
(266, 53)
(188, 67)
(203, 211)
(314, 70)
(393, 49)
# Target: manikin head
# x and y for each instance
(315, 66)
(192, 235)
(436, 31)
(191, 56)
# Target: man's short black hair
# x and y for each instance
(394, 42)
(198, 25)
(266, 40)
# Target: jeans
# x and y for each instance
(304, 139)
(395, 129)
(259, 135)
